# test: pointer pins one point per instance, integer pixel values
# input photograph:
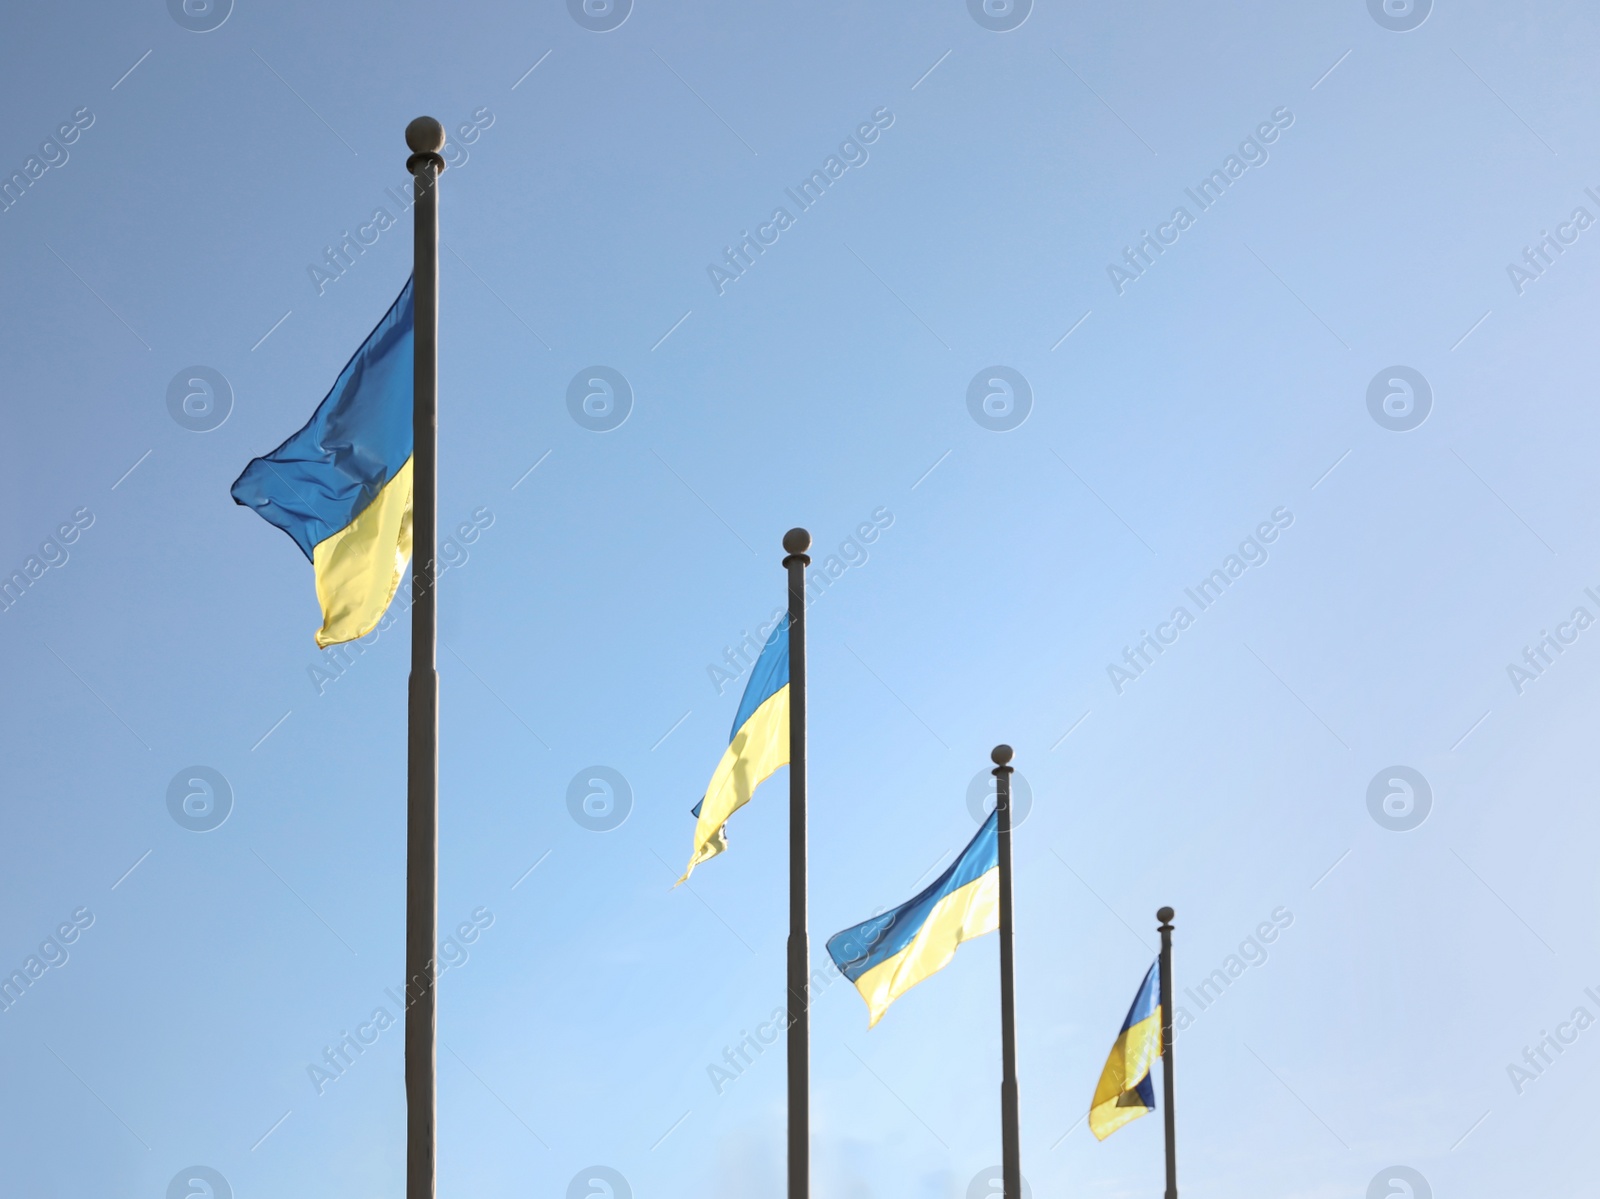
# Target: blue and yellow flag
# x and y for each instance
(888, 955)
(1125, 1091)
(341, 486)
(758, 745)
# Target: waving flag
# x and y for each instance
(758, 745)
(341, 486)
(1125, 1091)
(888, 955)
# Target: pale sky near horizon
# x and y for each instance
(1355, 377)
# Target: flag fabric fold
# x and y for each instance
(889, 954)
(1125, 1091)
(758, 745)
(341, 486)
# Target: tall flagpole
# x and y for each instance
(425, 136)
(1165, 916)
(1010, 1134)
(796, 542)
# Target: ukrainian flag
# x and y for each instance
(758, 745)
(888, 955)
(1125, 1091)
(341, 486)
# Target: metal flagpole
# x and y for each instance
(426, 138)
(1165, 916)
(1010, 1134)
(796, 542)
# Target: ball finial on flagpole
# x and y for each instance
(796, 541)
(1165, 915)
(425, 136)
(1001, 755)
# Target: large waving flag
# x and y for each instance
(1125, 1091)
(758, 745)
(888, 955)
(341, 486)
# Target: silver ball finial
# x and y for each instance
(796, 541)
(1001, 755)
(425, 136)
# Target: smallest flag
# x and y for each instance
(1125, 1091)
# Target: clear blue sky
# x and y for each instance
(1173, 412)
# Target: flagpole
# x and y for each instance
(426, 138)
(1010, 1132)
(796, 542)
(1165, 916)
